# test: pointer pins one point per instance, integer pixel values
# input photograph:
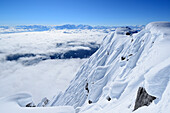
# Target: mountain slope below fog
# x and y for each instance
(109, 80)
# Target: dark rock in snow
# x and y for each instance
(130, 54)
(43, 103)
(123, 58)
(86, 87)
(89, 101)
(108, 98)
(128, 33)
(143, 98)
(30, 105)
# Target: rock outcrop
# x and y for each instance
(30, 105)
(143, 98)
(43, 103)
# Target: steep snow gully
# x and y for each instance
(110, 80)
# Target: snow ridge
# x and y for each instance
(120, 66)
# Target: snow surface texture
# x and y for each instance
(16, 103)
(120, 66)
(29, 61)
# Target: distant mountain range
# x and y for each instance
(24, 28)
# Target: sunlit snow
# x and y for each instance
(106, 82)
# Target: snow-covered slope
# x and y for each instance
(16, 103)
(116, 71)
(108, 82)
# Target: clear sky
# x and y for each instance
(92, 12)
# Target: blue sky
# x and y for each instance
(92, 12)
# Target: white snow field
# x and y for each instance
(29, 61)
(120, 66)
(109, 80)
(15, 103)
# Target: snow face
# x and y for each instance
(122, 64)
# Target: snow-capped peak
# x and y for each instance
(161, 27)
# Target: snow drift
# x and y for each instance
(109, 80)
(16, 103)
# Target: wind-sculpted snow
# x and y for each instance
(109, 80)
(16, 104)
(21, 99)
